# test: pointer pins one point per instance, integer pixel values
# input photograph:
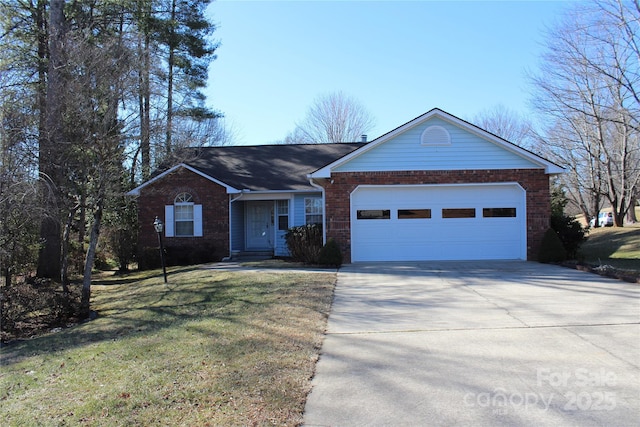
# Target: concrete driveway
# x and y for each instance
(478, 343)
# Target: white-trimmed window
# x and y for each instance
(282, 211)
(313, 210)
(183, 218)
(183, 214)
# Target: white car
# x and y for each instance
(605, 219)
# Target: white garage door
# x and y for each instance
(438, 222)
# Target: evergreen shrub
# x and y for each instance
(570, 232)
(551, 249)
(330, 254)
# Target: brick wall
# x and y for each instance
(215, 212)
(339, 188)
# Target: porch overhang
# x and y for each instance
(250, 195)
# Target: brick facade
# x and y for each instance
(339, 188)
(215, 204)
(215, 212)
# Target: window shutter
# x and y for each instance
(168, 221)
(197, 220)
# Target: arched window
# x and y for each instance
(183, 218)
(183, 198)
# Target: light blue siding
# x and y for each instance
(281, 245)
(296, 217)
(237, 226)
(298, 207)
(405, 152)
(281, 248)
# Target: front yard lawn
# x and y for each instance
(612, 251)
(615, 246)
(210, 348)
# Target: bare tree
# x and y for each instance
(507, 124)
(571, 142)
(189, 133)
(19, 207)
(587, 92)
(616, 30)
(296, 136)
(105, 67)
(332, 118)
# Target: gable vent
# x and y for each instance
(435, 135)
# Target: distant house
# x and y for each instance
(435, 188)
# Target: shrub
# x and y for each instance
(123, 244)
(176, 254)
(551, 249)
(33, 305)
(183, 254)
(149, 258)
(330, 254)
(305, 242)
(570, 232)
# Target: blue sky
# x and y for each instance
(399, 59)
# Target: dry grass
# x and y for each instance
(618, 247)
(210, 348)
(612, 252)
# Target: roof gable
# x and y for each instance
(438, 141)
(161, 175)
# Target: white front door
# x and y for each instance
(259, 225)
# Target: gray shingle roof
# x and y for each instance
(267, 167)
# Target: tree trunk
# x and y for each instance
(144, 106)
(170, 64)
(596, 208)
(64, 270)
(50, 145)
(168, 142)
(82, 227)
(50, 253)
(42, 71)
(631, 214)
(85, 306)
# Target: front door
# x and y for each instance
(259, 222)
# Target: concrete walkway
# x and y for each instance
(267, 265)
(478, 343)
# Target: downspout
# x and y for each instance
(324, 210)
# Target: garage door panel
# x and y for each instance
(498, 236)
(436, 250)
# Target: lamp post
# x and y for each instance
(158, 225)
